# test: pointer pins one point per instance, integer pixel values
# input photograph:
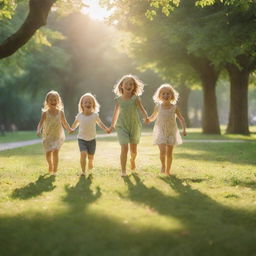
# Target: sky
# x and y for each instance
(94, 10)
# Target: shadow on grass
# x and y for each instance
(44, 183)
(242, 183)
(239, 153)
(207, 227)
(81, 195)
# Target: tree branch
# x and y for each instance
(37, 17)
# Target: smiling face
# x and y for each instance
(165, 95)
(128, 86)
(87, 104)
(52, 101)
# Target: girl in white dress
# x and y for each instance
(51, 127)
(165, 133)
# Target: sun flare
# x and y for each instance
(94, 10)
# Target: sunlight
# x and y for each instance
(94, 10)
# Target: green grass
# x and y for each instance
(18, 136)
(196, 133)
(207, 208)
(193, 133)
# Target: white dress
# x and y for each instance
(165, 129)
(53, 132)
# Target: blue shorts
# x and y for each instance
(88, 146)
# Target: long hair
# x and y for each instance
(138, 85)
(59, 103)
(95, 106)
(174, 98)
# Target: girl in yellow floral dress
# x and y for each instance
(51, 127)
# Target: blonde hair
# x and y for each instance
(59, 104)
(96, 105)
(174, 98)
(138, 85)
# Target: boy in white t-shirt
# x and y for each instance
(86, 119)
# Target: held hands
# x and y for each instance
(146, 120)
(71, 130)
(110, 129)
(184, 133)
(107, 130)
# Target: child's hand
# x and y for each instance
(38, 133)
(146, 121)
(71, 131)
(107, 130)
(111, 128)
(184, 133)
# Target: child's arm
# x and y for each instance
(142, 109)
(153, 116)
(115, 116)
(40, 124)
(75, 124)
(65, 123)
(102, 125)
(182, 121)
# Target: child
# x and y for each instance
(126, 118)
(86, 119)
(52, 120)
(165, 132)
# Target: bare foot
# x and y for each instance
(50, 170)
(123, 173)
(168, 173)
(90, 165)
(133, 166)
(83, 174)
(162, 170)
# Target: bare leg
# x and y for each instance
(169, 150)
(90, 164)
(162, 149)
(83, 161)
(123, 158)
(55, 160)
(133, 151)
(49, 161)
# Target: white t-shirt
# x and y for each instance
(87, 126)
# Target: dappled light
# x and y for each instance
(128, 128)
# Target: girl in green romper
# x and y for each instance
(126, 118)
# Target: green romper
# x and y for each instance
(128, 125)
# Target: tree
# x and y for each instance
(165, 41)
(36, 18)
(189, 28)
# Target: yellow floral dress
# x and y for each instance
(53, 132)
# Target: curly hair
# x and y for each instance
(138, 85)
(175, 94)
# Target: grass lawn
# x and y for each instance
(208, 207)
(18, 136)
(196, 133)
(193, 133)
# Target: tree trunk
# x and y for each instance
(238, 112)
(210, 120)
(183, 102)
(208, 76)
(37, 17)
